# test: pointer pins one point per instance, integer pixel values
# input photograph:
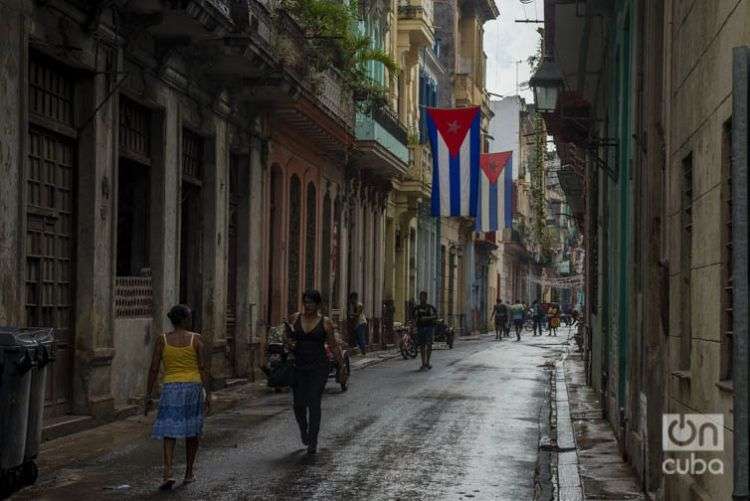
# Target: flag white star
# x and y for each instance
(453, 127)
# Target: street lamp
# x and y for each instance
(546, 84)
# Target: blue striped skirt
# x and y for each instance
(180, 412)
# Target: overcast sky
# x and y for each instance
(506, 42)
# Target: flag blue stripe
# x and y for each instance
(455, 173)
(474, 165)
(478, 225)
(493, 194)
(432, 132)
(509, 193)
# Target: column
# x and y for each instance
(13, 23)
(215, 201)
(95, 267)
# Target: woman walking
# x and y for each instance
(307, 336)
(181, 405)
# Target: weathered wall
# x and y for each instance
(133, 341)
(12, 79)
(702, 38)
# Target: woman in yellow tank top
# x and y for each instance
(181, 404)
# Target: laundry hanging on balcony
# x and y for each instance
(495, 210)
(455, 140)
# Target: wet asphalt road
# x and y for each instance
(467, 429)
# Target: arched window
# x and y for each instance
(327, 247)
(295, 227)
(311, 224)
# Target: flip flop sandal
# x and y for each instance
(167, 485)
(189, 480)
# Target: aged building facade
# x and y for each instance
(656, 134)
(192, 153)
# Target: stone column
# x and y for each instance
(13, 117)
(215, 203)
(94, 261)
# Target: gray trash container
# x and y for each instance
(44, 355)
(16, 361)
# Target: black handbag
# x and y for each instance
(282, 374)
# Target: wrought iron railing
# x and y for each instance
(133, 297)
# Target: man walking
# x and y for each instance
(425, 316)
(537, 316)
(500, 314)
(517, 312)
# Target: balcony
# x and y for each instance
(466, 92)
(181, 20)
(415, 23)
(381, 145)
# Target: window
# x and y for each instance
(295, 193)
(727, 298)
(686, 259)
(133, 183)
(327, 252)
(192, 155)
(310, 237)
(337, 208)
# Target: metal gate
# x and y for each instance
(50, 249)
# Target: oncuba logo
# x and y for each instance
(692, 433)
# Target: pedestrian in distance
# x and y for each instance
(306, 336)
(358, 322)
(185, 394)
(500, 315)
(425, 316)
(537, 315)
(517, 312)
(554, 319)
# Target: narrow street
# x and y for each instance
(468, 429)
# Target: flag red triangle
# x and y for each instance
(453, 124)
(493, 164)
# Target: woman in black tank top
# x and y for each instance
(308, 334)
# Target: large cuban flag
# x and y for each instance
(455, 139)
(495, 192)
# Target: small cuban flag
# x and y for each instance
(455, 140)
(495, 192)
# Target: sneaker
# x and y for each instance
(429, 367)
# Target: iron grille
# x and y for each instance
(192, 155)
(134, 128)
(51, 93)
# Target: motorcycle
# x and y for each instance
(276, 354)
(407, 345)
(444, 333)
(334, 370)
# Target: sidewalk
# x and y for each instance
(584, 460)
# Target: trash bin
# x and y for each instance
(44, 354)
(22, 351)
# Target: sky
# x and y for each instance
(506, 42)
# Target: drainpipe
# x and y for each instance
(740, 118)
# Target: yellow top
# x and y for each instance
(181, 363)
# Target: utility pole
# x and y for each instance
(517, 63)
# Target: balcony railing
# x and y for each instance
(335, 96)
(416, 9)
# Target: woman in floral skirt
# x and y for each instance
(182, 403)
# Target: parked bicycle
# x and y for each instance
(407, 345)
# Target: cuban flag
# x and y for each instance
(495, 192)
(455, 140)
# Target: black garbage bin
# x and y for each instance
(24, 356)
